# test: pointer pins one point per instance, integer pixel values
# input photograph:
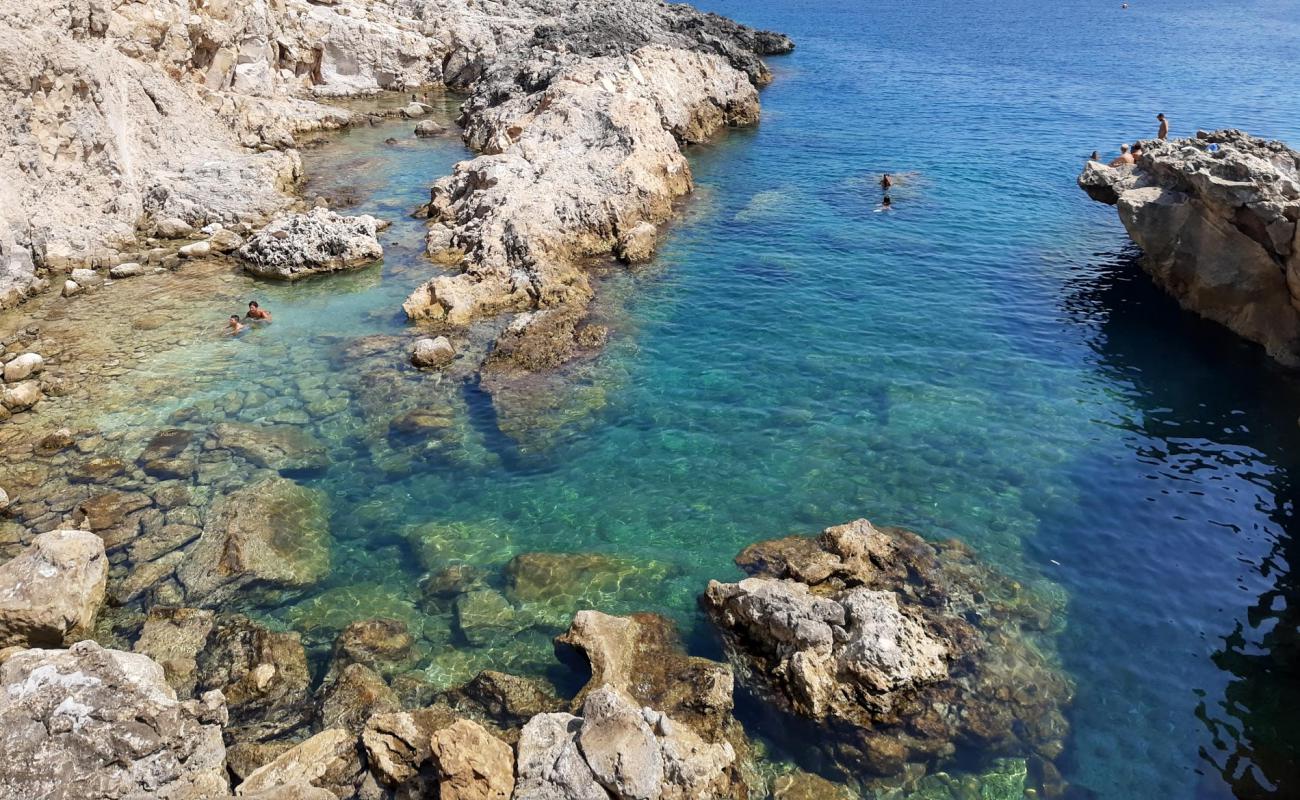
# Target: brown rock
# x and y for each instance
(472, 763)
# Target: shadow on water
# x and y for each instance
(483, 419)
(1214, 419)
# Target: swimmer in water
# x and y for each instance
(256, 312)
(886, 182)
(235, 327)
(886, 203)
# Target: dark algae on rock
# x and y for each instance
(900, 651)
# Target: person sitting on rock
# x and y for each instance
(257, 312)
(1135, 151)
(1095, 156)
(1125, 157)
(1164, 127)
(235, 327)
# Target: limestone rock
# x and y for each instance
(174, 637)
(271, 535)
(398, 743)
(129, 269)
(173, 228)
(353, 696)
(382, 645)
(620, 747)
(90, 722)
(472, 763)
(1216, 217)
(51, 592)
(900, 651)
(427, 128)
(161, 456)
(328, 760)
(22, 367)
(435, 352)
(549, 764)
(195, 250)
(508, 701)
(287, 449)
(21, 396)
(263, 675)
(307, 244)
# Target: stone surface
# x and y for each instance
(427, 128)
(398, 745)
(21, 396)
(130, 269)
(51, 592)
(284, 448)
(472, 763)
(307, 244)
(270, 535)
(1216, 218)
(893, 649)
(432, 352)
(22, 367)
(263, 675)
(174, 637)
(89, 722)
(549, 764)
(353, 695)
(328, 760)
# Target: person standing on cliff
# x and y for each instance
(1164, 127)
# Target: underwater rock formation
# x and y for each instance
(1216, 218)
(898, 649)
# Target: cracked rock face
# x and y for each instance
(308, 244)
(898, 650)
(52, 590)
(90, 722)
(1216, 217)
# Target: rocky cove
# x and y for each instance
(460, 520)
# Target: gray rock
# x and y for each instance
(130, 269)
(427, 128)
(23, 366)
(1216, 218)
(620, 747)
(89, 722)
(173, 228)
(307, 244)
(195, 250)
(549, 764)
(71, 288)
(435, 352)
(284, 448)
(51, 592)
(87, 277)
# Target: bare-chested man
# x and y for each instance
(1164, 127)
(257, 312)
(1125, 157)
(235, 327)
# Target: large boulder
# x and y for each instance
(1216, 217)
(51, 592)
(270, 536)
(893, 649)
(89, 722)
(472, 763)
(312, 243)
(329, 760)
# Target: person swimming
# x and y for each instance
(257, 312)
(886, 182)
(886, 203)
(235, 326)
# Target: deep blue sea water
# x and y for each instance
(985, 361)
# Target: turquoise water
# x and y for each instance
(985, 361)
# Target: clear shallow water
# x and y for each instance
(986, 361)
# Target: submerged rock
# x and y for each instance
(435, 352)
(898, 650)
(1216, 217)
(307, 244)
(263, 675)
(89, 722)
(284, 448)
(51, 592)
(271, 535)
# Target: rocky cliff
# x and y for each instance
(1216, 216)
(121, 118)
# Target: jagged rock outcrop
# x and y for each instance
(569, 169)
(308, 244)
(52, 591)
(1216, 217)
(263, 675)
(897, 649)
(89, 722)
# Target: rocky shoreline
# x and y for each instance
(1216, 217)
(903, 677)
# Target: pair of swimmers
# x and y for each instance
(255, 314)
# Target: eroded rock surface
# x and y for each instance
(89, 722)
(897, 649)
(307, 244)
(52, 591)
(1216, 217)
